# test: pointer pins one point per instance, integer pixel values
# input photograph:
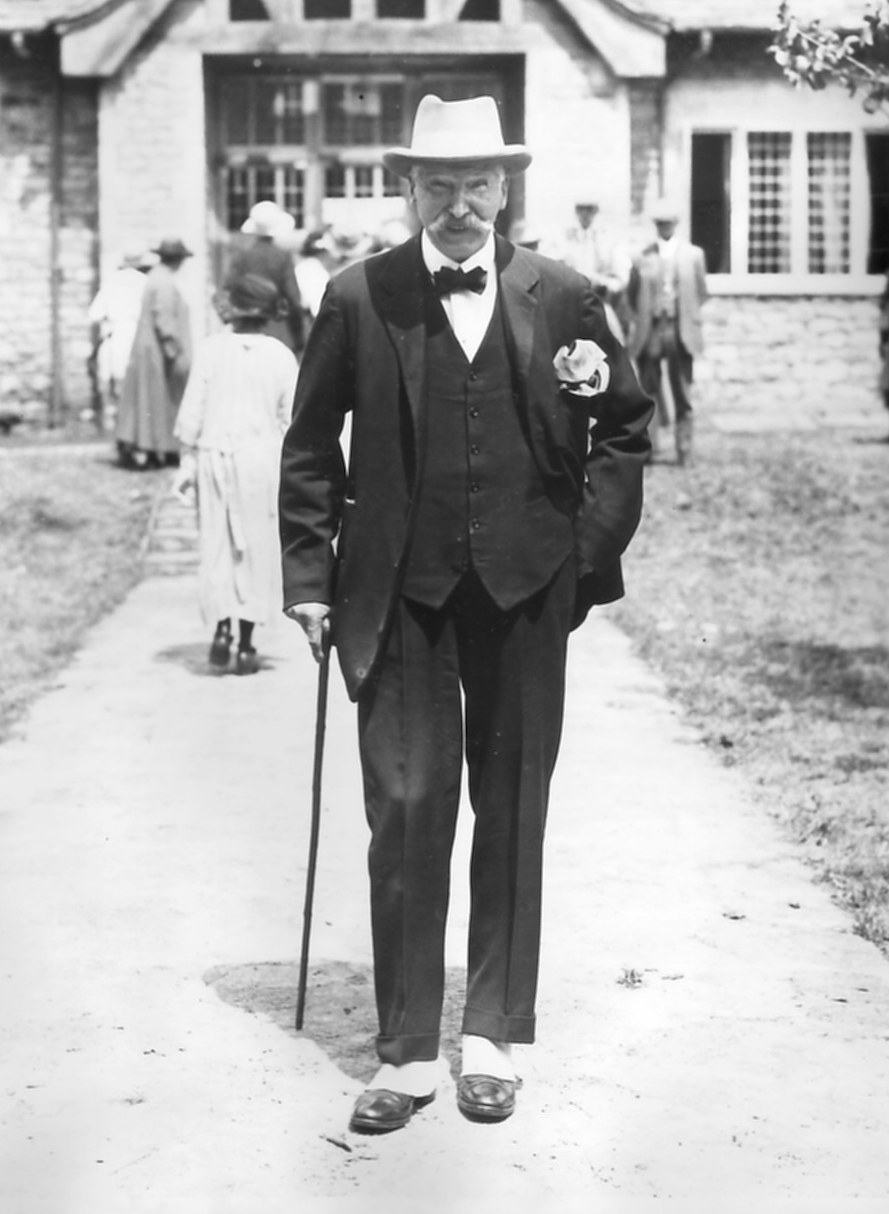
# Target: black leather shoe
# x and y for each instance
(220, 648)
(378, 1110)
(247, 661)
(486, 1098)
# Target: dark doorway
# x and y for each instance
(711, 199)
(878, 172)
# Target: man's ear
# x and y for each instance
(505, 192)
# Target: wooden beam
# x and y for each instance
(409, 38)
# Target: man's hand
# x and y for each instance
(314, 620)
(185, 481)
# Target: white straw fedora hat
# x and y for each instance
(665, 210)
(267, 219)
(457, 132)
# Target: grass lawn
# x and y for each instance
(71, 530)
(758, 586)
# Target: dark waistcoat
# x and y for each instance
(482, 504)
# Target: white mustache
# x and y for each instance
(470, 224)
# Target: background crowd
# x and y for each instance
(141, 328)
(267, 300)
(220, 412)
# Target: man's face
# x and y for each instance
(586, 212)
(665, 228)
(457, 205)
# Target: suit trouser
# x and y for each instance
(511, 666)
(664, 345)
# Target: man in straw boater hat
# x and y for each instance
(480, 517)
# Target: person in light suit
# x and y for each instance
(477, 522)
(666, 291)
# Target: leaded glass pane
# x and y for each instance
(769, 235)
(829, 166)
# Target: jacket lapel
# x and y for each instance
(518, 298)
(402, 306)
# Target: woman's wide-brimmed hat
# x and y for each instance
(172, 249)
(137, 259)
(267, 219)
(457, 132)
(250, 297)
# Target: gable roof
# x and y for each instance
(31, 16)
(631, 35)
(631, 43)
(745, 14)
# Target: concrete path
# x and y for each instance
(710, 1030)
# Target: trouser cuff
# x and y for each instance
(419, 1047)
(497, 1027)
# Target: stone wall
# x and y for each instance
(816, 355)
(577, 124)
(28, 104)
(153, 165)
(645, 145)
(78, 239)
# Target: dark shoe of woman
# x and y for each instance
(247, 661)
(220, 646)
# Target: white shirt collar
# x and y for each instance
(434, 259)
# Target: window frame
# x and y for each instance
(311, 158)
(799, 280)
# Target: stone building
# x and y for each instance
(123, 121)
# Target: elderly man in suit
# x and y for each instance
(495, 477)
(667, 288)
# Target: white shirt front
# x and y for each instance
(468, 313)
(667, 252)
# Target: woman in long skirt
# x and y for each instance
(233, 416)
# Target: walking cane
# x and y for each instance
(320, 721)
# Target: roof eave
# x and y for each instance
(98, 44)
(632, 44)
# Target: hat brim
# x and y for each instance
(513, 157)
(282, 228)
(248, 314)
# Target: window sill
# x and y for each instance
(796, 284)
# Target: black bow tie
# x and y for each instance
(447, 280)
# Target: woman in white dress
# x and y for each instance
(233, 416)
(114, 315)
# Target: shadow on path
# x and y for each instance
(340, 1014)
(193, 658)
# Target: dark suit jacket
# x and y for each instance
(366, 353)
(266, 259)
